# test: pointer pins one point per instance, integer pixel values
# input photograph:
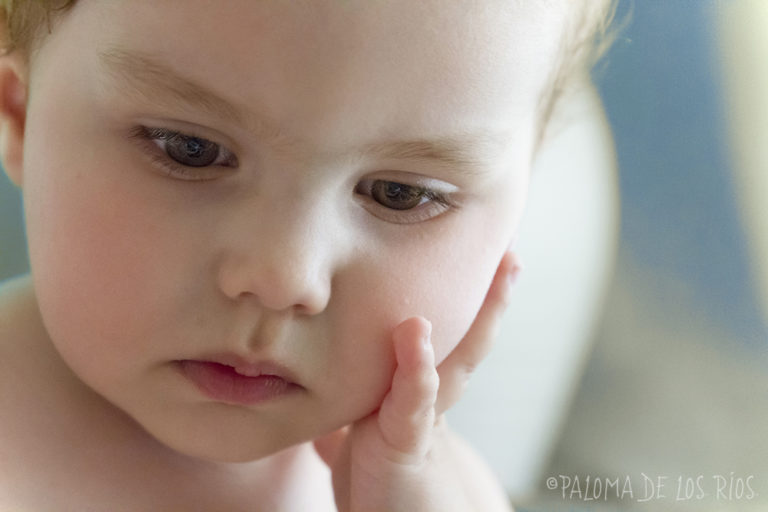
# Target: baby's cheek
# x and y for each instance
(450, 324)
(372, 298)
(453, 307)
(449, 299)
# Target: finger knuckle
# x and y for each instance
(430, 383)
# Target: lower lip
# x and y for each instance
(222, 383)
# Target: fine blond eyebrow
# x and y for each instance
(461, 155)
(142, 76)
(139, 75)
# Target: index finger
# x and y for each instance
(456, 369)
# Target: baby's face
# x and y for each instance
(277, 183)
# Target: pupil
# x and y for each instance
(395, 191)
(194, 147)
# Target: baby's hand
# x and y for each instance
(403, 457)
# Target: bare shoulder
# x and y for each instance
(19, 322)
(31, 401)
(12, 292)
(19, 317)
(21, 335)
(19, 326)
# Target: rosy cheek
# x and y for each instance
(447, 290)
(452, 315)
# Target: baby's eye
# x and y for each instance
(191, 151)
(186, 156)
(187, 149)
(401, 203)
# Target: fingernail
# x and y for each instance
(514, 271)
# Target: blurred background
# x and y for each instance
(636, 345)
(676, 385)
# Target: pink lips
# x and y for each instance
(235, 382)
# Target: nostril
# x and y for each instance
(309, 307)
(277, 292)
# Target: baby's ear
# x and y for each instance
(13, 112)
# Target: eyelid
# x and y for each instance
(188, 124)
(415, 179)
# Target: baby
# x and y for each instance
(269, 241)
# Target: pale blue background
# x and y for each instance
(13, 254)
(662, 93)
(677, 384)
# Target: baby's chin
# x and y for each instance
(224, 441)
(228, 451)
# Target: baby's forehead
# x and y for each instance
(382, 64)
(380, 29)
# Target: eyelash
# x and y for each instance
(432, 202)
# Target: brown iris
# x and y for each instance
(396, 196)
(192, 151)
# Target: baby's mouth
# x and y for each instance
(244, 384)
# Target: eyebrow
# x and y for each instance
(139, 75)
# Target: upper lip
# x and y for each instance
(249, 366)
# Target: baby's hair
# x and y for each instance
(24, 19)
(585, 40)
(587, 37)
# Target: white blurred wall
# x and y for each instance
(677, 379)
(743, 44)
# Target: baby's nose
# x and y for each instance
(284, 266)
